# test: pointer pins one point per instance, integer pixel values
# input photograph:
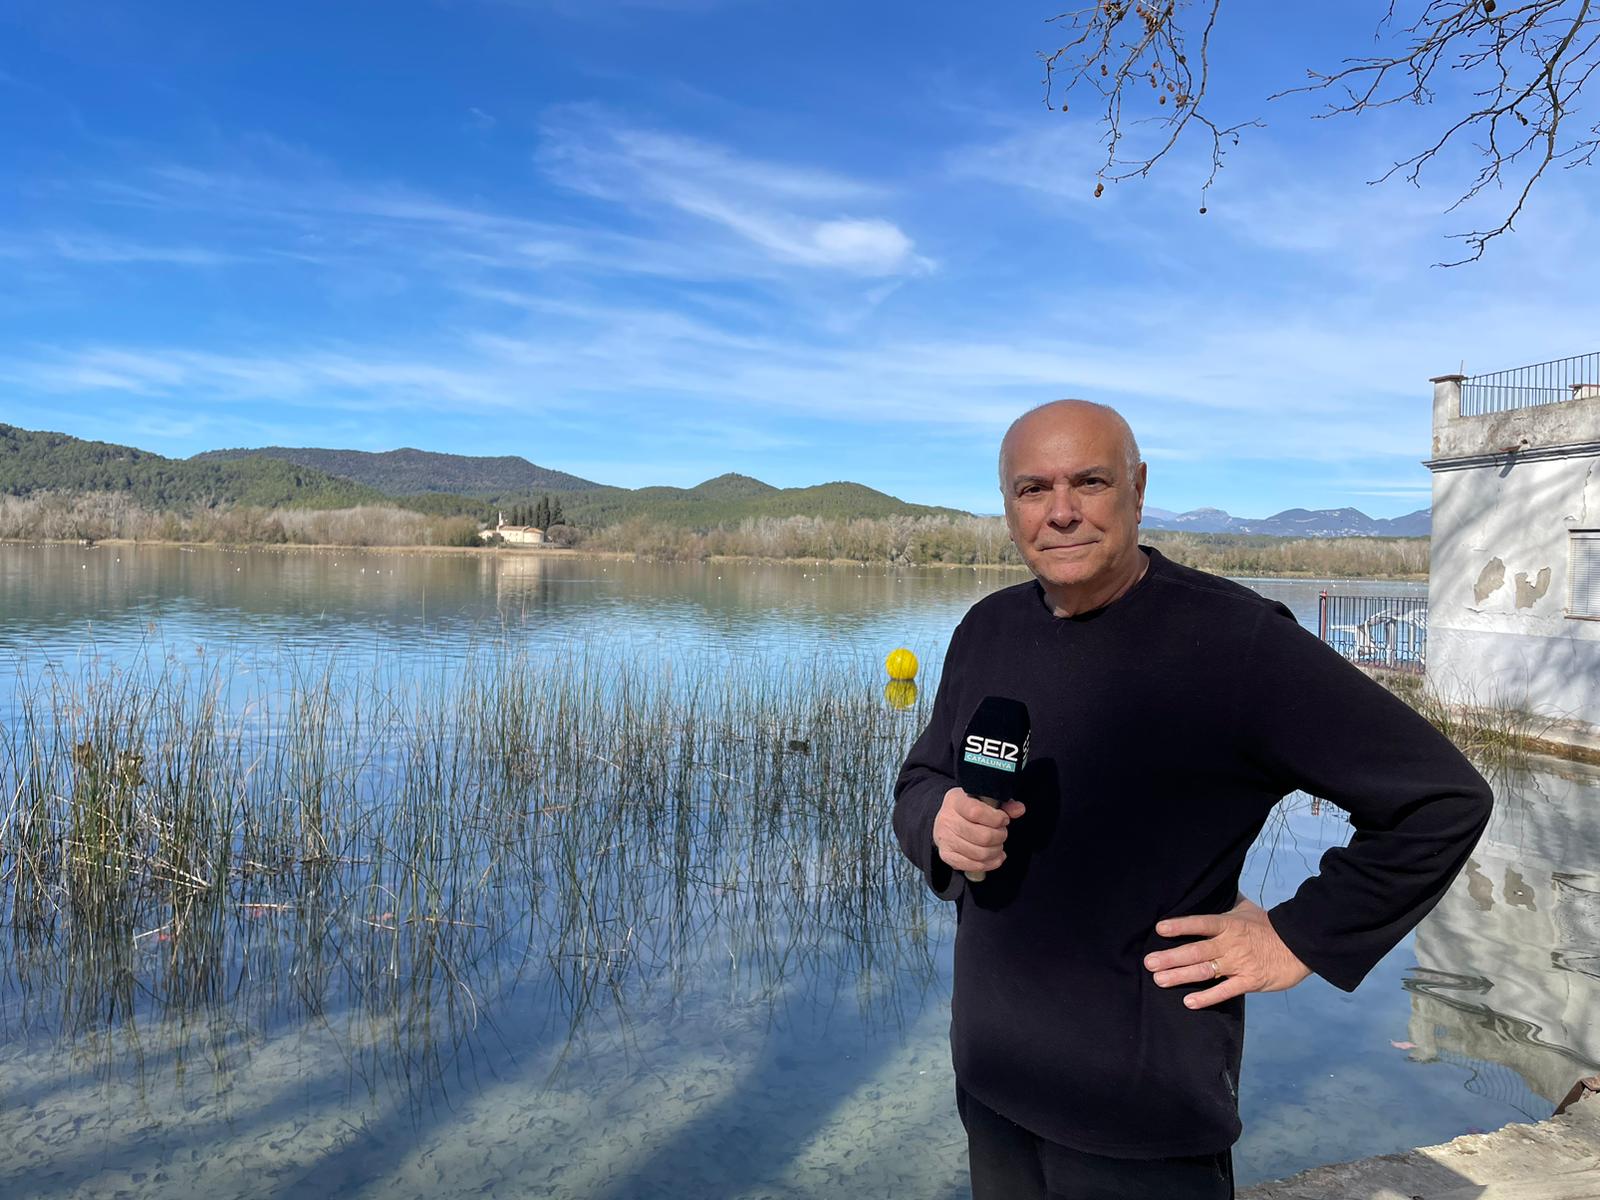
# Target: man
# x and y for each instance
(1101, 965)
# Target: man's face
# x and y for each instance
(1072, 506)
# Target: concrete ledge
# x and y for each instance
(1502, 455)
(1580, 743)
(1558, 1159)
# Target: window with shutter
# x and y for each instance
(1583, 596)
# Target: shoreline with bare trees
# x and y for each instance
(963, 541)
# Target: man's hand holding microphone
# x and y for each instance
(970, 835)
(969, 830)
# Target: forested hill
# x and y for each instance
(408, 472)
(729, 499)
(33, 462)
(54, 462)
(509, 481)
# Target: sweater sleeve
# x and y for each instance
(1315, 722)
(927, 774)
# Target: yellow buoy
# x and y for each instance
(901, 665)
(900, 693)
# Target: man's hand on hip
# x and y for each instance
(970, 835)
(1241, 952)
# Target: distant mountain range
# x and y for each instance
(32, 462)
(1294, 522)
(408, 472)
(446, 484)
(509, 480)
(730, 498)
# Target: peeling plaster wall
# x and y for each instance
(1498, 586)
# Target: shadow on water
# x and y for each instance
(749, 1149)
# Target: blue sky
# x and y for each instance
(654, 241)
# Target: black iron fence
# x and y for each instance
(1376, 631)
(1523, 387)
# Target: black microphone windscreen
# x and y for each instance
(995, 750)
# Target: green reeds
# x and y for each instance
(389, 854)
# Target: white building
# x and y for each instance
(514, 535)
(1514, 586)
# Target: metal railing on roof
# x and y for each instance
(1523, 387)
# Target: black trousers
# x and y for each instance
(1009, 1163)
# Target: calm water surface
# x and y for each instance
(810, 1069)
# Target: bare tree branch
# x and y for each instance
(1117, 45)
(1511, 73)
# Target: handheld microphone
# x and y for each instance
(993, 754)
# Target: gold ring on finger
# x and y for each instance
(1216, 968)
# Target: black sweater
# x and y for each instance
(1165, 727)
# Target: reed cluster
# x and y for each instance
(1493, 733)
(389, 855)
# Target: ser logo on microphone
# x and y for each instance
(994, 753)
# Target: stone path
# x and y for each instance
(1558, 1159)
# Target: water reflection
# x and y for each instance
(1483, 1016)
(1509, 963)
(115, 599)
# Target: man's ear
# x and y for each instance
(1140, 476)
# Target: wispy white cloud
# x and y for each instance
(1056, 160)
(315, 215)
(1314, 203)
(591, 151)
(773, 206)
(1269, 198)
(318, 378)
(94, 248)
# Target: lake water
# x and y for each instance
(706, 1044)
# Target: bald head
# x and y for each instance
(1055, 412)
(1073, 487)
